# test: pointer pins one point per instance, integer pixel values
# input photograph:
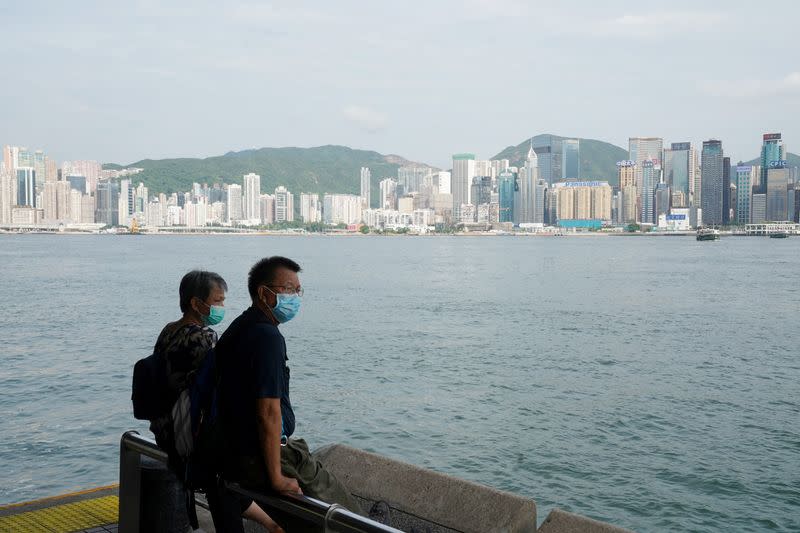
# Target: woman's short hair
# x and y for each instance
(199, 283)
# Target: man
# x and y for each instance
(255, 408)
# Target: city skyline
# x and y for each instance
(670, 189)
(395, 79)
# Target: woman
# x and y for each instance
(184, 344)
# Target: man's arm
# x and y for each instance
(268, 413)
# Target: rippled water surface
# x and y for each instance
(651, 383)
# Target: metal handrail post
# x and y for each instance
(130, 482)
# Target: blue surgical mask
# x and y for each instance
(287, 307)
(215, 315)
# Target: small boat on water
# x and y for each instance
(779, 235)
(707, 234)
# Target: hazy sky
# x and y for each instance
(121, 81)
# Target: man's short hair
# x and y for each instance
(263, 272)
(199, 283)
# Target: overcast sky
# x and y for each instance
(122, 81)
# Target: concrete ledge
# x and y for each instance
(559, 521)
(436, 498)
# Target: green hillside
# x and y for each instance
(598, 158)
(316, 170)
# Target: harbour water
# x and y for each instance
(650, 383)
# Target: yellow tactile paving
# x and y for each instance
(64, 518)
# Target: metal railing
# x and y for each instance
(319, 516)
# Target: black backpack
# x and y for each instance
(149, 387)
(194, 440)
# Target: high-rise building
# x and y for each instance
(758, 212)
(679, 170)
(444, 182)
(341, 209)
(463, 172)
(107, 203)
(528, 177)
(234, 203)
(483, 168)
(310, 208)
(366, 179)
(388, 199)
(481, 193)
(744, 192)
(78, 183)
(726, 190)
(651, 177)
(712, 170)
(627, 172)
(570, 159)
(777, 192)
(506, 186)
(583, 200)
(26, 186)
(40, 166)
(266, 206)
(411, 178)
(498, 166)
(284, 205)
(56, 201)
(251, 198)
(7, 193)
(662, 201)
(126, 202)
(548, 151)
(642, 149)
(772, 150)
(91, 170)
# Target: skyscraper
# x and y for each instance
(711, 169)
(772, 149)
(126, 201)
(462, 174)
(26, 186)
(570, 159)
(629, 192)
(284, 205)
(661, 205)
(777, 192)
(506, 185)
(310, 208)
(651, 177)
(679, 166)
(548, 151)
(726, 190)
(526, 182)
(744, 192)
(234, 203)
(444, 182)
(388, 199)
(40, 166)
(7, 194)
(366, 177)
(251, 198)
(641, 149)
(645, 149)
(107, 203)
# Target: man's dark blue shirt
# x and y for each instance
(251, 357)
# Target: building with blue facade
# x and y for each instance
(506, 186)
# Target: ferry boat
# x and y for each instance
(779, 235)
(707, 234)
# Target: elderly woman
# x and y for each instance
(184, 344)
